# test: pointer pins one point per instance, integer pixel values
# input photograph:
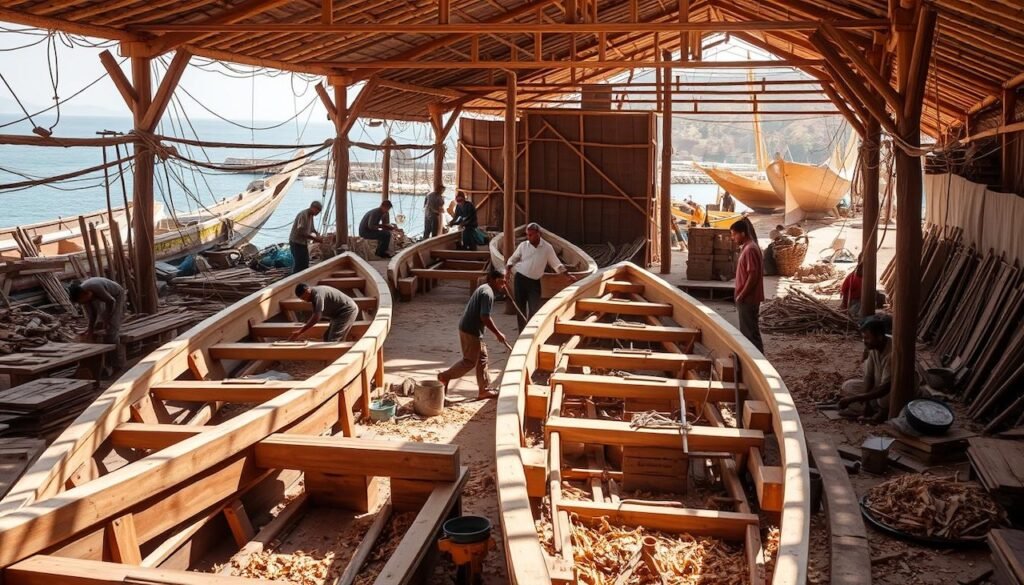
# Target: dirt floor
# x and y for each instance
(424, 340)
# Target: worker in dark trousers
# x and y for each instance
(376, 225)
(529, 261)
(303, 233)
(465, 216)
(104, 302)
(433, 206)
(476, 317)
(749, 293)
(328, 302)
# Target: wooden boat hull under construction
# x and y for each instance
(580, 263)
(588, 418)
(154, 475)
(419, 267)
(757, 194)
(808, 190)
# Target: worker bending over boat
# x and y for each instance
(475, 318)
(328, 302)
(749, 292)
(376, 225)
(465, 216)
(529, 261)
(302, 233)
(869, 396)
(104, 304)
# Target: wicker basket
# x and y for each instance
(789, 258)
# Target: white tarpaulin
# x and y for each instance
(989, 220)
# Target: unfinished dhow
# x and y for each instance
(185, 451)
(580, 263)
(419, 267)
(591, 450)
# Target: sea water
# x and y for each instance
(181, 188)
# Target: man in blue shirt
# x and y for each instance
(475, 319)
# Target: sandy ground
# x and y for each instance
(424, 340)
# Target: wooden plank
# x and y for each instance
(289, 514)
(727, 525)
(442, 274)
(767, 482)
(344, 283)
(460, 254)
(364, 304)
(317, 331)
(299, 351)
(351, 456)
(698, 438)
(537, 401)
(239, 523)
(624, 307)
(757, 415)
(171, 545)
(123, 540)
(696, 391)
(151, 436)
(641, 332)
(238, 390)
(47, 570)
(366, 546)
(535, 464)
(641, 361)
(623, 286)
(420, 537)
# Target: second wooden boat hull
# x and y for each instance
(579, 262)
(808, 190)
(757, 194)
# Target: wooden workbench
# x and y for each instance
(33, 363)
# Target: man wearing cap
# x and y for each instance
(302, 233)
(529, 261)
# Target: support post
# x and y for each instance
(869, 163)
(341, 166)
(385, 183)
(509, 223)
(1009, 102)
(666, 165)
(142, 189)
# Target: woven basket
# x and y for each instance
(789, 258)
(795, 231)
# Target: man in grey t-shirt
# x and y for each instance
(331, 303)
(376, 225)
(302, 233)
(475, 318)
(433, 206)
(104, 303)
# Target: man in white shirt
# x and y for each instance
(529, 261)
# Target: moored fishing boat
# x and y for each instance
(809, 190)
(419, 267)
(757, 194)
(594, 460)
(580, 263)
(139, 487)
(717, 219)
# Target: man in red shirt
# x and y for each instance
(849, 294)
(749, 281)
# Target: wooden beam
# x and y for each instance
(166, 89)
(350, 456)
(665, 194)
(124, 87)
(364, 304)
(624, 307)
(219, 23)
(51, 23)
(123, 541)
(919, 62)
(623, 286)
(151, 436)
(327, 12)
(844, 109)
(326, 100)
(274, 330)
(867, 70)
(295, 351)
(726, 525)
(654, 361)
(357, 108)
(870, 162)
(242, 390)
(510, 146)
(47, 570)
(143, 229)
(443, 11)
(239, 523)
(612, 432)
(340, 152)
(1008, 171)
(851, 83)
(645, 387)
(635, 332)
(568, 64)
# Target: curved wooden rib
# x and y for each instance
(417, 267)
(522, 472)
(757, 194)
(40, 516)
(579, 262)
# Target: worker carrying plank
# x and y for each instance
(475, 318)
(104, 304)
(328, 302)
(529, 262)
(302, 233)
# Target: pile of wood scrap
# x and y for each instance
(829, 288)
(142, 327)
(799, 312)
(54, 290)
(817, 272)
(232, 284)
(43, 407)
(1007, 548)
(16, 454)
(935, 507)
(23, 327)
(972, 311)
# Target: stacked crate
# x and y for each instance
(712, 254)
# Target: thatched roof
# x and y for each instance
(978, 49)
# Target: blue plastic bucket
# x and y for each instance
(382, 410)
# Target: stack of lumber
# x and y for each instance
(799, 312)
(54, 290)
(972, 309)
(232, 284)
(999, 466)
(1007, 548)
(16, 454)
(607, 254)
(43, 407)
(23, 327)
(142, 327)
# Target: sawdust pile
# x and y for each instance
(299, 567)
(423, 430)
(931, 506)
(481, 482)
(770, 544)
(386, 544)
(604, 551)
(816, 386)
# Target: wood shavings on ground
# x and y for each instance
(932, 506)
(422, 430)
(816, 386)
(27, 327)
(770, 544)
(603, 552)
(299, 567)
(385, 546)
(481, 482)
(799, 312)
(815, 272)
(830, 288)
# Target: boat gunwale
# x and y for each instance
(401, 263)
(176, 464)
(498, 259)
(524, 552)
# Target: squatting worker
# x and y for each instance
(465, 216)
(302, 233)
(869, 396)
(475, 318)
(376, 225)
(433, 206)
(529, 261)
(749, 292)
(104, 304)
(330, 303)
